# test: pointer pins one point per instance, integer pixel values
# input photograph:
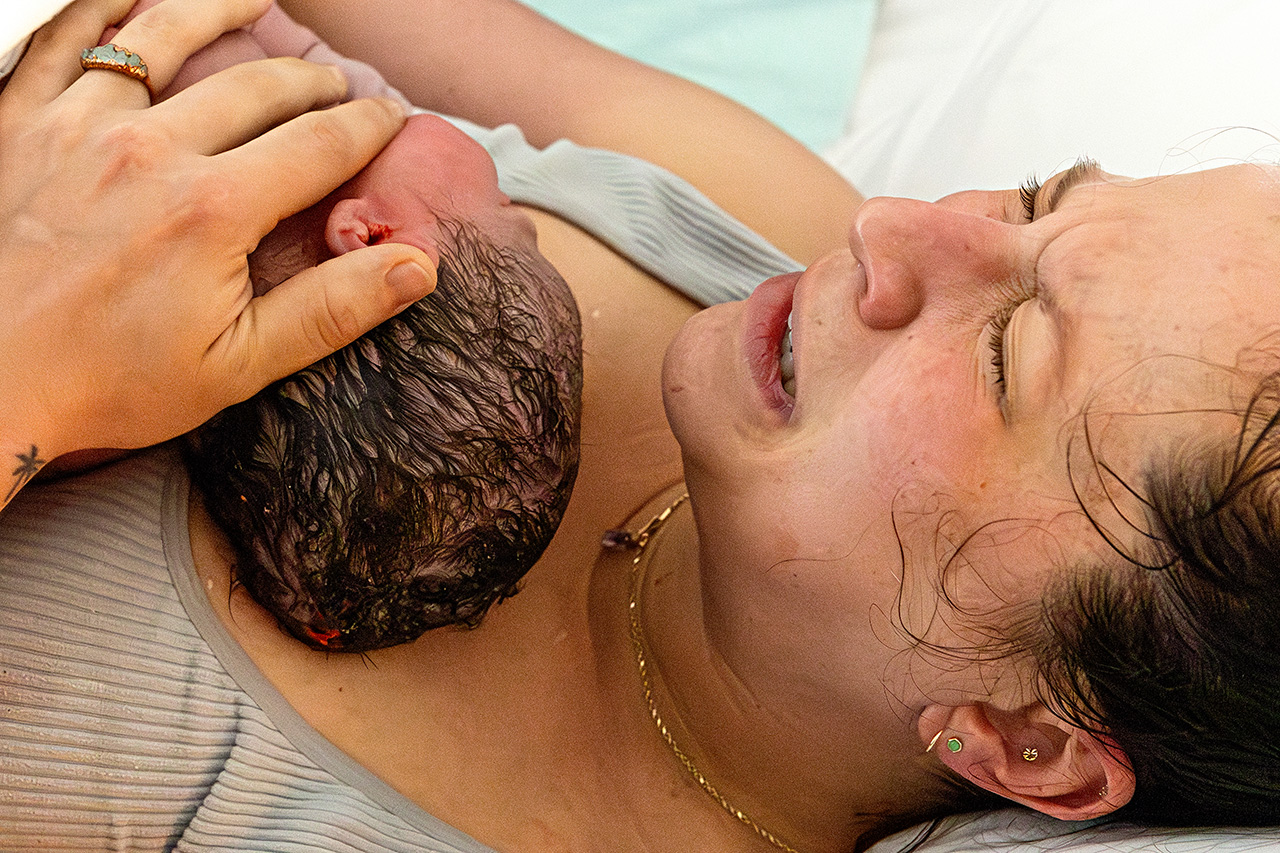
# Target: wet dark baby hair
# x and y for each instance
(411, 479)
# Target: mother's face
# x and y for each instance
(958, 372)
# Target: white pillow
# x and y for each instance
(19, 22)
(1019, 831)
(977, 94)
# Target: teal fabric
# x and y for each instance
(794, 61)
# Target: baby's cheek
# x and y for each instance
(227, 50)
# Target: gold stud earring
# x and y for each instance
(1030, 754)
(1102, 795)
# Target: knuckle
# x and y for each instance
(69, 26)
(286, 79)
(44, 64)
(274, 69)
(330, 139)
(62, 131)
(287, 66)
(177, 24)
(205, 200)
(44, 56)
(157, 25)
(131, 148)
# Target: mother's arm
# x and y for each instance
(496, 61)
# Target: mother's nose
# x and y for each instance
(917, 253)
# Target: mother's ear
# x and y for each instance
(1032, 757)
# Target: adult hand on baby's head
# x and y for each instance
(124, 231)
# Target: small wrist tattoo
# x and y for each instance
(28, 465)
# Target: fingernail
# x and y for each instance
(393, 106)
(411, 281)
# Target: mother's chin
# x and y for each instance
(721, 385)
(699, 375)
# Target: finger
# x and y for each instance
(316, 312)
(52, 61)
(297, 164)
(163, 37)
(231, 107)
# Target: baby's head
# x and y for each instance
(411, 479)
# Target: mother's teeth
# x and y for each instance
(786, 362)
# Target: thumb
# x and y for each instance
(318, 311)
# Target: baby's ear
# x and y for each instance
(351, 226)
(1030, 756)
(356, 222)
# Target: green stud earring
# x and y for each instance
(953, 743)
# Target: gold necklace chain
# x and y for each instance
(619, 540)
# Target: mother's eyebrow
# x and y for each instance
(1085, 170)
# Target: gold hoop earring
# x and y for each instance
(928, 749)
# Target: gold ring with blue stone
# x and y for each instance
(109, 57)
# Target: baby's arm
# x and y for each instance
(495, 61)
(279, 35)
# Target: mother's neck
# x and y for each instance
(797, 767)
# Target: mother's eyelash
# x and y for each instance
(1027, 192)
(998, 324)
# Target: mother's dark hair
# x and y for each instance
(1174, 652)
(409, 480)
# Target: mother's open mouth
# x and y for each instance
(786, 362)
(765, 343)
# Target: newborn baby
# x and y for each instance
(411, 479)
